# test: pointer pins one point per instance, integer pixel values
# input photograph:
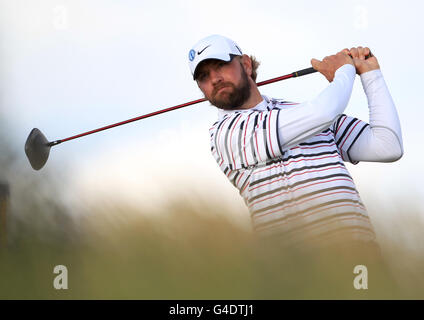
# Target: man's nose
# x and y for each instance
(215, 76)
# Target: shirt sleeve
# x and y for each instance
(346, 131)
(242, 139)
(311, 117)
(381, 141)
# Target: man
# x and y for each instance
(287, 159)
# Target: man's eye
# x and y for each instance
(205, 75)
(201, 77)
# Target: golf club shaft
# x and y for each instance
(288, 76)
(295, 74)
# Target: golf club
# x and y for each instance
(37, 147)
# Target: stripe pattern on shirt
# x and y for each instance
(304, 190)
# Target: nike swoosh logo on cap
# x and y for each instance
(200, 52)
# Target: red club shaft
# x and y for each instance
(288, 76)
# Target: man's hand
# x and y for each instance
(330, 64)
(358, 55)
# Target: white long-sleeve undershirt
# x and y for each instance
(382, 140)
(311, 117)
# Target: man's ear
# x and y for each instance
(247, 64)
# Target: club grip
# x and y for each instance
(312, 70)
(304, 72)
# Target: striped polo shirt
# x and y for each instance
(297, 193)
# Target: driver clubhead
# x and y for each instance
(37, 149)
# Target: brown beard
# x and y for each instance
(236, 98)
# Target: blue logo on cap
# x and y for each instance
(191, 54)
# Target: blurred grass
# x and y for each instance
(117, 252)
(189, 248)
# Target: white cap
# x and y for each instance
(212, 47)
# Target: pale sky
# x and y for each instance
(72, 66)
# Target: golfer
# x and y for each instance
(287, 159)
